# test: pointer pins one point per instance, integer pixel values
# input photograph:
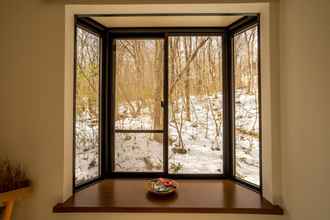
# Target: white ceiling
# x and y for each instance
(167, 21)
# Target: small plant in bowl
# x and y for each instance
(162, 186)
(12, 177)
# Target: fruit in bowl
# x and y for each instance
(162, 186)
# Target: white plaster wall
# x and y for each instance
(305, 108)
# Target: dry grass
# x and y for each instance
(11, 176)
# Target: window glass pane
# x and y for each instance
(139, 84)
(87, 151)
(246, 106)
(138, 152)
(139, 94)
(195, 105)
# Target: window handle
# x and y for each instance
(162, 104)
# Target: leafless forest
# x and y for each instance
(195, 106)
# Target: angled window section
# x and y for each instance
(247, 106)
(86, 109)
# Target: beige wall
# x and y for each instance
(32, 103)
(305, 107)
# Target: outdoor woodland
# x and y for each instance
(195, 105)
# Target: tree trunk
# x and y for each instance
(187, 79)
(248, 40)
(158, 90)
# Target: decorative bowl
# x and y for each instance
(161, 186)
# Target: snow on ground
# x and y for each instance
(204, 147)
(87, 150)
(139, 152)
(142, 122)
(247, 137)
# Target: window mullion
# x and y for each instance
(165, 90)
(104, 106)
(112, 96)
(228, 107)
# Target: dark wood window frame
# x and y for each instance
(107, 91)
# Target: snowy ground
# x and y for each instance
(247, 137)
(140, 152)
(87, 150)
(204, 147)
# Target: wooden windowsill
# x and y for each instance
(193, 196)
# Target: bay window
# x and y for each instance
(167, 102)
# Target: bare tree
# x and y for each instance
(158, 66)
(187, 49)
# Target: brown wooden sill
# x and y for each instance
(193, 196)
